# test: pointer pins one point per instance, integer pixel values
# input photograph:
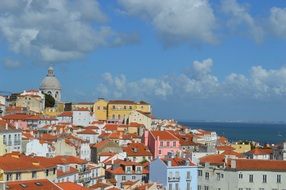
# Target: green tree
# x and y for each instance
(49, 101)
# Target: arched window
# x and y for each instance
(56, 94)
(49, 92)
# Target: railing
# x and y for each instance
(173, 178)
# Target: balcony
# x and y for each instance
(173, 179)
(189, 179)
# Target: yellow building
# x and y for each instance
(55, 111)
(241, 147)
(2, 146)
(118, 109)
(85, 105)
(100, 109)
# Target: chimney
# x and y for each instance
(6, 126)
(169, 163)
(233, 163)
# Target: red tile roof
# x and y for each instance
(66, 114)
(70, 171)
(261, 151)
(136, 149)
(179, 161)
(33, 185)
(16, 161)
(260, 165)
(164, 135)
(71, 186)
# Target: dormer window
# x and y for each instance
(128, 169)
(138, 169)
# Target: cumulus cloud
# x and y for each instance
(239, 16)
(277, 21)
(176, 20)
(201, 83)
(56, 30)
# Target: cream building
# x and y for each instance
(33, 100)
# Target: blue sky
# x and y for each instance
(192, 59)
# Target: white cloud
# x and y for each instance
(11, 64)
(56, 30)
(176, 20)
(201, 83)
(277, 21)
(240, 16)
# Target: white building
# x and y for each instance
(12, 138)
(242, 174)
(174, 173)
(34, 147)
(81, 117)
(2, 105)
(51, 85)
(141, 117)
(89, 135)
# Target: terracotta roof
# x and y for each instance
(16, 161)
(71, 186)
(101, 144)
(32, 185)
(179, 161)
(219, 159)
(68, 160)
(261, 151)
(164, 135)
(70, 171)
(224, 148)
(134, 124)
(100, 185)
(260, 165)
(111, 127)
(136, 149)
(66, 114)
(106, 154)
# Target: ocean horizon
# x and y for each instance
(264, 132)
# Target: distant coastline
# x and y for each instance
(260, 132)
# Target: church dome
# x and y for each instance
(50, 82)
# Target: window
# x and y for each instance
(174, 143)
(47, 172)
(128, 169)
(98, 107)
(200, 173)
(264, 178)
(278, 178)
(113, 107)
(206, 187)
(240, 188)
(199, 187)
(240, 176)
(261, 188)
(168, 143)
(247, 188)
(133, 177)
(161, 143)
(130, 107)
(221, 175)
(123, 178)
(188, 175)
(207, 175)
(218, 176)
(125, 107)
(177, 186)
(34, 174)
(170, 186)
(160, 152)
(170, 175)
(18, 176)
(54, 171)
(250, 178)
(9, 177)
(188, 186)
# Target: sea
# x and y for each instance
(264, 133)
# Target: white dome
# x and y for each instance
(50, 82)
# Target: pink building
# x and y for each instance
(160, 143)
